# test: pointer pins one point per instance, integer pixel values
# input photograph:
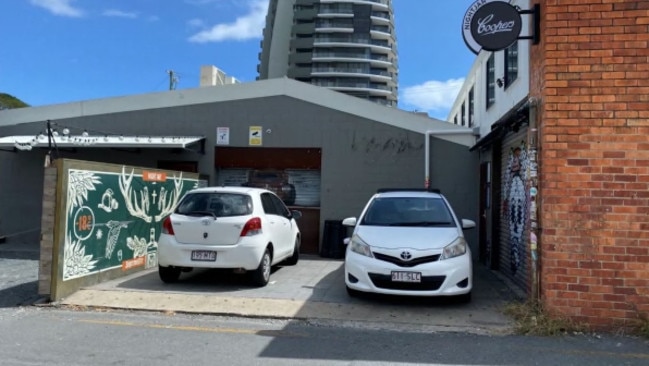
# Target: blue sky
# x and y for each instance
(58, 51)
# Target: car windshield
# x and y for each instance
(216, 204)
(408, 211)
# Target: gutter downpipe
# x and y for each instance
(427, 149)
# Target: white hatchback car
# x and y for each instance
(409, 242)
(242, 228)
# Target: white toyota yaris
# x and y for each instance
(242, 228)
(409, 242)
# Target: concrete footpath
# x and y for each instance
(313, 289)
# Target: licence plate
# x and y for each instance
(406, 277)
(203, 255)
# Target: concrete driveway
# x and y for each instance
(313, 290)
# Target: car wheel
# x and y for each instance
(352, 293)
(261, 275)
(292, 260)
(169, 274)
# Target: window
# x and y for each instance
(463, 115)
(511, 64)
(217, 204)
(471, 122)
(455, 119)
(491, 81)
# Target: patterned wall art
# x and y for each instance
(515, 203)
(114, 219)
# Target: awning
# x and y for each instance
(28, 142)
(515, 116)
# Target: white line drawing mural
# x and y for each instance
(139, 205)
(99, 234)
(514, 203)
(166, 204)
(119, 255)
(138, 245)
(108, 203)
(114, 227)
(79, 183)
(151, 260)
(152, 242)
(84, 220)
(75, 261)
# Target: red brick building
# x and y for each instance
(590, 77)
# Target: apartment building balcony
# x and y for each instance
(375, 45)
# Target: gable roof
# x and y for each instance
(259, 89)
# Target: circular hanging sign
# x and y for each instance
(491, 25)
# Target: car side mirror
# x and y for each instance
(350, 221)
(468, 224)
(296, 214)
(346, 241)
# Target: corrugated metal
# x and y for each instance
(307, 187)
(514, 262)
(306, 183)
(232, 177)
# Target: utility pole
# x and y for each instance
(173, 79)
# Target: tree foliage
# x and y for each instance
(8, 101)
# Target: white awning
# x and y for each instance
(93, 141)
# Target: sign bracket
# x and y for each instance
(536, 18)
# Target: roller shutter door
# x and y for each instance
(514, 261)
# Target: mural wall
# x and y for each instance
(112, 217)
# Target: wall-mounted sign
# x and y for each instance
(254, 137)
(491, 25)
(223, 135)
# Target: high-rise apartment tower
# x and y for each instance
(345, 45)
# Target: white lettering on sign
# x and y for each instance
(469, 14)
(484, 28)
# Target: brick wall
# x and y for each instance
(590, 74)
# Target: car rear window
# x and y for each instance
(408, 211)
(216, 203)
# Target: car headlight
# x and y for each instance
(359, 246)
(455, 249)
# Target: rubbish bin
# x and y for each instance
(332, 239)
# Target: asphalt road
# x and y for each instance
(53, 336)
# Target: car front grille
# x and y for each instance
(428, 283)
(401, 263)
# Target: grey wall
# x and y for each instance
(358, 155)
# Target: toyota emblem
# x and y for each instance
(406, 256)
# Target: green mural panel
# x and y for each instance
(113, 219)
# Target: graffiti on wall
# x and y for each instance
(113, 219)
(515, 202)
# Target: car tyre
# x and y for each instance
(293, 259)
(169, 274)
(261, 275)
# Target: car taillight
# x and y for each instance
(252, 227)
(167, 228)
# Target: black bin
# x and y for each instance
(332, 239)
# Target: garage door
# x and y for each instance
(292, 173)
(514, 209)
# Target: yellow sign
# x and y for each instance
(254, 138)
